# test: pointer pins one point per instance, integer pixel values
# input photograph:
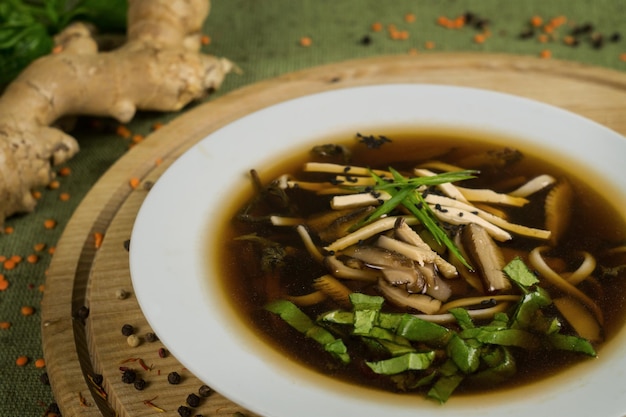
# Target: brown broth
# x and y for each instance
(596, 225)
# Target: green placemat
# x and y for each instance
(264, 39)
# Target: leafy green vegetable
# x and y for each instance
(414, 353)
(301, 322)
(27, 27)
(413, 361)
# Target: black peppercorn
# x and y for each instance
(205, 391)
(193, 400)
(97, 379)
(173, 378)
(140, 384)
(53, 408)
(151, 337)
(184, 411)
(127, 244)
(128, 329)
(129, 376)
(44, 378)
(82, 313)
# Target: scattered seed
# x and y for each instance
(134, 182)
(65, 171)
(5, 325)
(140, 384)
(162, 353)
(21, 360)
(123, 131)
(545, 54)
(205, 40)
(8, 230)
(44, 378)
(54, 184)
(193, 400)
(306, 41)
(127, 244)
(121, 294)
(205, 391)
(97, 379)
(82, 313)
(129, 376)
(133, 340)
(128, 329)
(184, 411)
(49, 223)
(97, 239)
(27, 311)
(40, 363)
(151, 337)
(377, 26)
(173, 378)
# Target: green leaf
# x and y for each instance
(413, 361)
(291, 314)
(571, 343)
(464, 353)
(504, 337)
(520, 273)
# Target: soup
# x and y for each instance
(428, 262)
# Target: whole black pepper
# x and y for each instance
(184, 411)
(129, 376)
(82, 313)
(193, 400)
(127, 244)
(44, 378)
(140, 384)
(173, 378)
(205, 391)
(616, 37)
(151, 337)
(128, 329)
(53, 408)
(365, 40)
(97, 379)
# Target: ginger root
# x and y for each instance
(159, 68)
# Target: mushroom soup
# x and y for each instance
(430, 262)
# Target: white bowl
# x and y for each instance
(181, 297)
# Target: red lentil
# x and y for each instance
(49, 224)
(134, 182)
(65, 171)
(377, 27)
(5, 325)
(40, 363)
(306, 41)
(27, 310)
(21, 360)
(64, 196)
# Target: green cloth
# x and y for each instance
(262, 37)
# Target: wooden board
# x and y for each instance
(81, 275)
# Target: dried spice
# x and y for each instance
(162, 353)
(128, 329)
(150, 404)
(129, 376)
(151, 337)
(44, 378)
(140, 384)
(121, 294)
(184, 411)
(205, 391)
(133, 340)
(173, 378)
(193, 400)
(82, 313)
